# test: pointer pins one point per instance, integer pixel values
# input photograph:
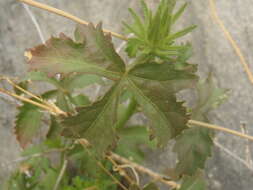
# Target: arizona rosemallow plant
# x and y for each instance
(86, 144)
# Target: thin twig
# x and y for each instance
(36, 24)
(134, 172)
(67, 15)
(142, 169)
(233, 155)
(122, 172)
(247, 147)
(25, 99)
(23, 90)
(85, 144)
(58, 181)
(231, 40)
(53, 109)
(109, 173)
(216, 127)
(49, 106)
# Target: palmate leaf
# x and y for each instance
(27, 124)
(62, 55)
(154, 87)
(194, 145)
(96, 122)
(209, 97)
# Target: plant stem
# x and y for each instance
(52, 109)
(144, 170)
(123, 160)
(127, 113)
(216, 127)
(121, 171)
(67, 15)
(84, 144)
(58, 181)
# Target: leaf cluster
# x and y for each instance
(153, 34)
(148, 85)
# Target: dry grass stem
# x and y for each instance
(67, 15)
(219, 128)
(63, 169)
(147, 171)
(233, 155)
(134, 172)
(121, 171)
(231, 40)
(50, 107)
(85, 144)
(35, 22)
(247, 147)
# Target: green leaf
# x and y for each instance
(41, 76)
(133, 45)
(49, 179)
(181, 33)
(78, 81)
(80, 100)
(180, 11)
(151, 186)
(131, 139)
(127, 107)
(63, 55)
(152, 36)
(134, 187)
(85, 164)
(154, 87)
(54, 129)
(209, 97)
(137, 23)
(79, 35)
(96, 122)
(147, 13)
(196, 182)
(28, 122)
(193, 147)
(50, 94)
(185, 53)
